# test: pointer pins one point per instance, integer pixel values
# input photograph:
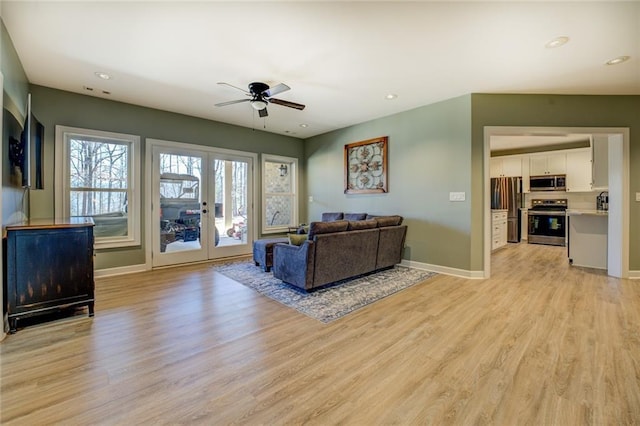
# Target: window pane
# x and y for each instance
(115, 225)
(89, 203)
(181, 164)
(179, 202)
(279, 210)
(277, 178)
(107, 209)
(98, 164)
(99, 179)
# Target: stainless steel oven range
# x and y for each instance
(547, 222)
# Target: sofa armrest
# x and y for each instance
(294, 264)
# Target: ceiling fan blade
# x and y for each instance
(263, 112)
(279, 88)
(287, 103)
(232, 102)
(235, 87)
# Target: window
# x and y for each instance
(279, 193)
(99, 178)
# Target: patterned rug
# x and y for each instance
(330, 302)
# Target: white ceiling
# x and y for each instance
(339, 58)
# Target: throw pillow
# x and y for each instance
(297, 239)
(355, 216)
(331, 216)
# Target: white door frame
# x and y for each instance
(149, 147)
(618, 210)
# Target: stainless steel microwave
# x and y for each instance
(548, 183)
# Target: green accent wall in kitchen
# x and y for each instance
(561, 111)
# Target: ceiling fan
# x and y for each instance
(260, 95)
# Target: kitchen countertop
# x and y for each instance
(578, 212)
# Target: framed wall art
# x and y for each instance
(365, 166)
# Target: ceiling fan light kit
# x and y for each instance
(258, 105)
(261, 95)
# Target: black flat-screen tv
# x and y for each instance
(32, 141)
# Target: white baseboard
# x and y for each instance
(634, 275)
(110, 272)
(443, 269)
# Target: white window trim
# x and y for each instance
(61, 206)
(292, 163)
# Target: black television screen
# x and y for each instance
(32, 146)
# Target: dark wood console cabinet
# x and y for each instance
(48, 265)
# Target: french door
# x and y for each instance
(201, 204)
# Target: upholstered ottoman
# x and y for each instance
(263, 251)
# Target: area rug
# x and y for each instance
(327, 303)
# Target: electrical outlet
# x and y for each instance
(311, 198)
(637, 196)
(457, 196)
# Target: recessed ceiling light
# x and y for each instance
(557, 42)
(103, 75)
(391, 96)
(304, 125)
(618, 60)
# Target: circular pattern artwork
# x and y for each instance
(366, 166)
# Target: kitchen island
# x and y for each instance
(588, 234)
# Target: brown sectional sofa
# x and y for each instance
(340, 249)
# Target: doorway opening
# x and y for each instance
(618, 182)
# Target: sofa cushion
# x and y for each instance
(297, 239)
(327, 227)
(355, 216)
(394, 220)
(362, 224)
(331, 216)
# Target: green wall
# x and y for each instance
(16, 85)
(56, 107)
(440, 148)
(429, 156)
(559, 111)
(14, 97)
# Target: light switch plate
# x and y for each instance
(457, 196)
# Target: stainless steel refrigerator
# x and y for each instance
(506, 194)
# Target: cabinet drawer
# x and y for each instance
(498, 216)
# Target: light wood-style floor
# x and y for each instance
(539, 343)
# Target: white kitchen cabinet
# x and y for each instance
(588, 238)
(548, 164)
(600, 165)
(579, 170)
(506, 166)
(524, 224)
(498, 229)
